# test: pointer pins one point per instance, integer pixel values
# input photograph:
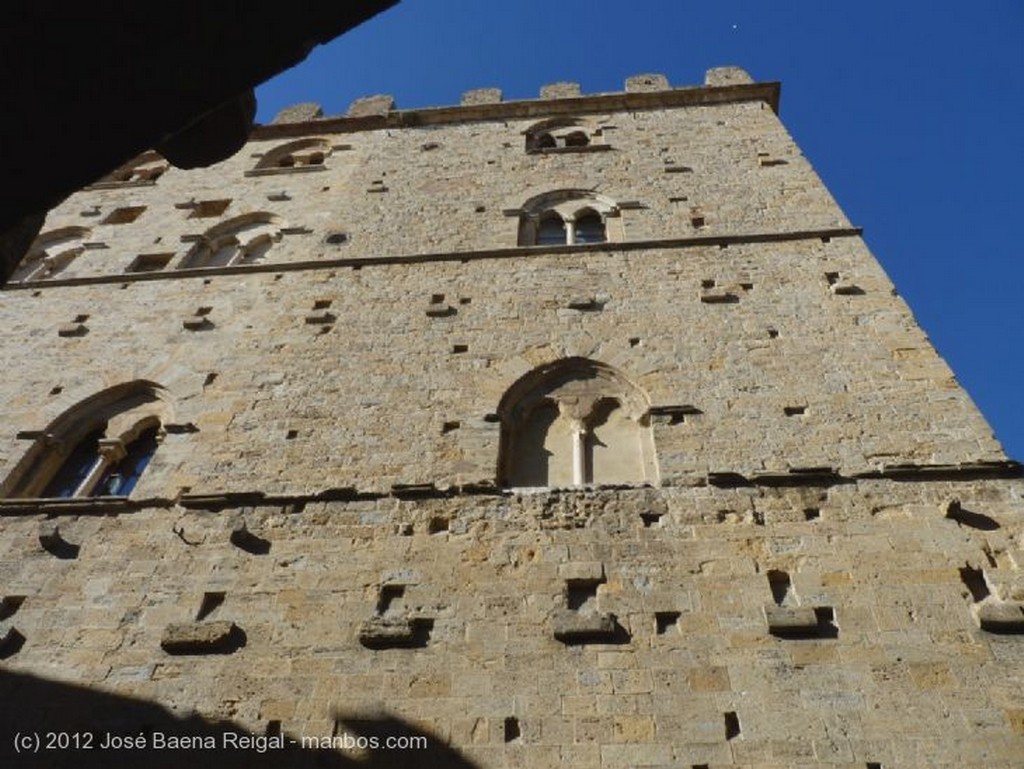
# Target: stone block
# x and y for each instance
(571, 627)
(217, 637)
(394, 632)
(581, 571)
(648, 82)
(299, 113)
(370, 106)
(480, 96)
(559, 90)
(800, 621)
(722, 76)
(1001, 616)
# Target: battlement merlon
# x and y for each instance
(642, 92)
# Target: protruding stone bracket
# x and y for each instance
(395, 632)
(672, 415)
(574, 627)
(1001, 617)
(794, 622)
(220, 637)
(955, 511)
(244, 539)
(579, 621)
(52, 542)
(391, 627)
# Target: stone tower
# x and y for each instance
(573, 432)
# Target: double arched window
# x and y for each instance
(100, 447)
(143, 170)
(51, 253)
(301, 155)
(562, 135)
(242, 240)
(575, 422)
(565, 217)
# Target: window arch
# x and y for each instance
(301, 155)
(50, 253)
(563, 135)
(575, 422)
(145, 169)
(565, 217)
(242, 240)
(99, 447)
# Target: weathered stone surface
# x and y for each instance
(481, 96)
(559, 90)
(299, 113)
(648, 82)
(719, 76)
(368, 106)
(393, 632)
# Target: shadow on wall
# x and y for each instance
(51, 714)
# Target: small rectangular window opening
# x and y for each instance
(650, 519)
(665, 621)
(780, 585)
(125, 215)
(208, 208)
(732, 725)
(581, 593)
(149, 262)
(390, 597)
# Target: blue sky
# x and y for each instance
(912, 111)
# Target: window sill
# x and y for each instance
(570, 150)
(71, 505)
(276, 171)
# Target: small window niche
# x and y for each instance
(150, 262)
(124, 215)
(208, 208)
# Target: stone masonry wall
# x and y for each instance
(909, 680)
(826, 573)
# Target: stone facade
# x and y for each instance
(775, 532)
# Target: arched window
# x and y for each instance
(242, 240)
(303, 154)
(51, 253)
(563, 135)
(576, 139)
(565, 217)
(551, 230)
(589, 227)
(572, 423)
(99, 447)
(145, 169)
